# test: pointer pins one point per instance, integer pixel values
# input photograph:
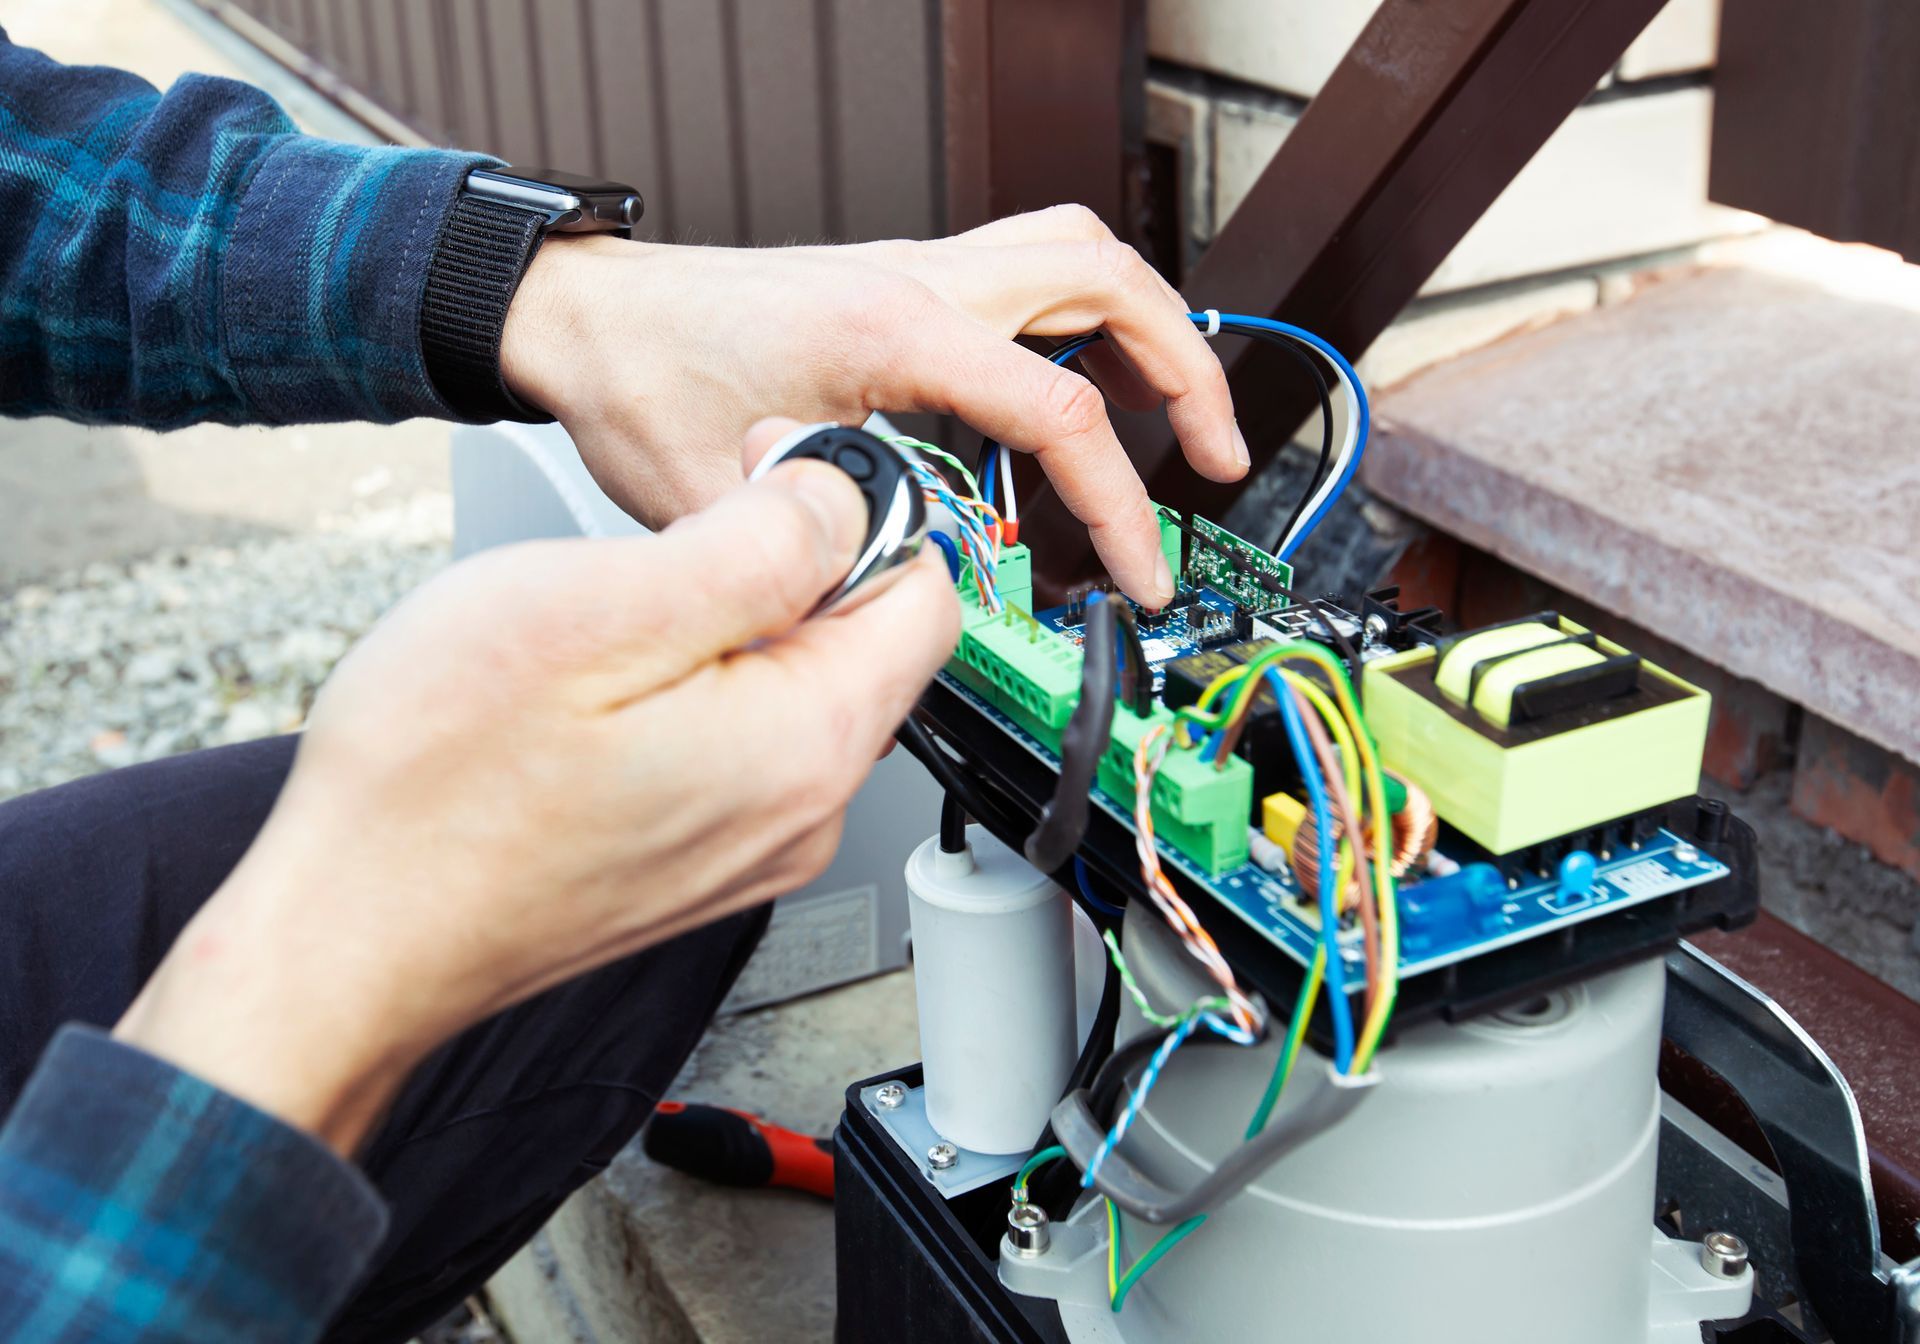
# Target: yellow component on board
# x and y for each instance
(1280, 817)
(1517, 757)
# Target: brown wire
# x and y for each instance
(1415, 828)
(1349, 816)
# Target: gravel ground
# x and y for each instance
(118, 663)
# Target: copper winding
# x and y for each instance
(1415, 828)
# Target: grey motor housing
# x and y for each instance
(1499, 1176)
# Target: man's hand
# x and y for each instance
(547, 758)
(656, 358)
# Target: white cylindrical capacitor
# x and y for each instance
(993, 976)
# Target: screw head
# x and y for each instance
(888, 1096)
(942, 1155)
(1027, 1229)
(1723, 1255)
(1685, 853)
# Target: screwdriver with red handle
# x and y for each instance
(728, 1147)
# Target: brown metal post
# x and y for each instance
(1813, 117)
(1431, 114)
(1044, 104)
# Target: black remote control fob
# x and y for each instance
(896, 514)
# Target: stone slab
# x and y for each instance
(1727, 459)
(647, 1256)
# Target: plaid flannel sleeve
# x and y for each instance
(189, 256)
(138, 1203)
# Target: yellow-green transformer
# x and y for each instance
(1534, 729)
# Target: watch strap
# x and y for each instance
(484, 249)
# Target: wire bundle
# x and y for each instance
(981, 530)
(1336, 467)
(1341, 773)
(1149, 753)
(1337, 763)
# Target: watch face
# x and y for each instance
(575, 183)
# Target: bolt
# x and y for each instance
(942, 1155)
(1685, 853)
(889, 1096)
(1723, 1255)
(1027, 1230)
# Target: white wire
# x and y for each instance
(1349, 442)
(1009, 505)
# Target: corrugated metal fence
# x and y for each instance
(742, 121)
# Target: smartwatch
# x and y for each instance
(485, 246)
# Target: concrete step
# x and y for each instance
(1727, 459)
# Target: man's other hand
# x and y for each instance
(656, 358)
(550, 756)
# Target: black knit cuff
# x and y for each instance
(483, 251)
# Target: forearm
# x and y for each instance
(190, 256)
(139, 1203)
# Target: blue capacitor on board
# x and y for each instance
(1578, 872)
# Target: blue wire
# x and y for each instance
(1329, 917)
(1086, 891)
(952, 552)
(1242, 324)
(1175, 1039)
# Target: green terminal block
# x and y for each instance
(1032, 675)
(1025, 669)
(1198, 809)
(1014, 570)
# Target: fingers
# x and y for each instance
(1067, 288)
(750, 567)
(1060, 272)
(835, 689)
(1056, 224)
(761, 436)
(944, 362)
(1109, 369)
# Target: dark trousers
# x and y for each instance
(97, 878)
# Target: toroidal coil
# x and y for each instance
(1415, 828)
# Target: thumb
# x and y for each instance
(749, 567)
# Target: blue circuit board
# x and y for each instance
(1271, 903)
(1173, 638)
